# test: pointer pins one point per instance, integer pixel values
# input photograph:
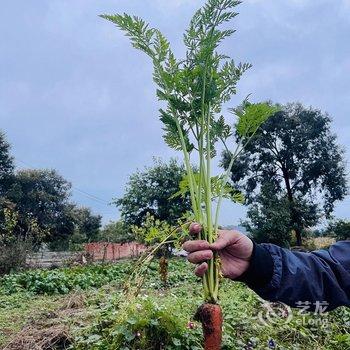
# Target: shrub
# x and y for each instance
(13, 254)
(15, 244)
(339, 229)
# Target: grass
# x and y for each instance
(100, 318)
(17, 310)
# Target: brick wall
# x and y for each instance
(113, 251)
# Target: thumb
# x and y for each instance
(225, 239)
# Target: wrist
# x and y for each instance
(260, 269)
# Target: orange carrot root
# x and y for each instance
(210, 315)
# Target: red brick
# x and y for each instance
(114, 251)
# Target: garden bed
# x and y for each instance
(98, 317)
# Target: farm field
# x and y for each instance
(147, 149)
(85, 308)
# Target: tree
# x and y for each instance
(150, 191)
(42, 195)
(269, 217)
(340, 229)
(86, 223)
(17, 232)
(297, 155)
(79, 225)
(40, 202)
(116, 232)
(6, 165)
(16, 240)
(6, 176)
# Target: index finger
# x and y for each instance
(195, 228)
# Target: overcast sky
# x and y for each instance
(75, 96)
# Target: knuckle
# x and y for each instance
(186, 245)
(190, 258)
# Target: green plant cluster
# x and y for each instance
(339, 229)
(64, 280)
(163, 319)
(194, 90)
(145, 324)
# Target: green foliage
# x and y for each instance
(80, 226)
(251, 117)
(269, 218)
(86, 224)
(8, 216)
(117, 232)
(150, 191)
(297, 155)
(142, 322)
(42, 194)
(153, 231)
(194, 90)
(15, 246)
(62, 281)
(6, 165)
(218, 187)
(107, 319)
(146, 324)
(40, 200)
(10, 226)
(339, 229)
(162, 236)
(205, 79)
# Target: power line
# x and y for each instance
(89, 195)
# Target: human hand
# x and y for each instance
(234, 249)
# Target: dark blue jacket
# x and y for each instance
(297, 279)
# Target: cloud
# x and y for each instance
(75, 96)
(175, 4)
(296, 3)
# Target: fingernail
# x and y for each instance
(195, 228)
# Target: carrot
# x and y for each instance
(194, 90)
(210, 315)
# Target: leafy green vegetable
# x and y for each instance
(194, 89)
(252, 116)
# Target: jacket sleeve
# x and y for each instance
(296, 278)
